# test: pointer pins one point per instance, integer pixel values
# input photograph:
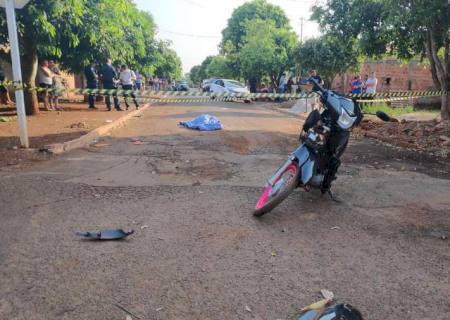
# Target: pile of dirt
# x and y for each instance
(426, 136)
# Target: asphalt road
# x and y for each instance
(197, 252)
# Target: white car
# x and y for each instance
(229, 86)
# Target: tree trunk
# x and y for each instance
(434, 76)
(441, 71)
(29, 70)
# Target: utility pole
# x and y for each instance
(11, 6)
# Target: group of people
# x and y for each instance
(287, 84)
(112, 78)
(368, 85)
(52, 83)
(157, 84)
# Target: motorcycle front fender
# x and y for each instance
(306, 162)
(307, 170)
(302, 154)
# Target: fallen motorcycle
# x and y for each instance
(324, 138)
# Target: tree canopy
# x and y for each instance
(266, 50)
(328, 56)
(76, 32)
(233, 34)
(213, 66)
(404, 28)
(258, 42)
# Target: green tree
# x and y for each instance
(167, 62)
(43, 27)
(328, 56)
(199, 72)
(266, 50)
(405, 28)
(237, 28)
(76, 32)
(194, 75)
(233, 34)
(218, 67)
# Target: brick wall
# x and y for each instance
(392, 76)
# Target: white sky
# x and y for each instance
(195, 26)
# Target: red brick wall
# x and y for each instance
(409, 76)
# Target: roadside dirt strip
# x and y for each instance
(197, 252)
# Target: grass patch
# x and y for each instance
(397, 111)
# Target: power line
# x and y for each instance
(195, 3)
(189, 34)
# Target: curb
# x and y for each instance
(89, 138)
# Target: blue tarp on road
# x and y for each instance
(204, 122)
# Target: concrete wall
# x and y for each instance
(409, 76)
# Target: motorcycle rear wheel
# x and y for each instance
(266, 201)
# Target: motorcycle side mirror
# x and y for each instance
(383, 116)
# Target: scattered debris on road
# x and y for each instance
(109, 234)
(327, 294)
(79, 125)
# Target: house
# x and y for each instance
(392, 74)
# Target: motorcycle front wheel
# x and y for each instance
(274, 194)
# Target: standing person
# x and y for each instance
(138, 81)
(109, 76)
(126, 78)
(282, 83)
(289, 85)
(45, 80)
(313, 74)
(4, 94)
(57, 86)
(366, 77)
(357, 85)
(151, 83)
(90, 73)
(315, 100)
(156, 83)
(350, 85)
(253, 82)
(371, 83)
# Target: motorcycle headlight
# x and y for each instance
(345, 121)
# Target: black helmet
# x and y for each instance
(334, 312)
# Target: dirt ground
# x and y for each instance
(197, 252)
(430, 137)
(47, 128)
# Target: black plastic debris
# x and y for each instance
(109, 234)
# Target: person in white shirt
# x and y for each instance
(127, 78)
(45, 80)
(371, 83)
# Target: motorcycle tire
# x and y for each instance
(264, 205)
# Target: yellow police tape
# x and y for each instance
(198, 96)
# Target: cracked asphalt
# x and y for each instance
(197, 252)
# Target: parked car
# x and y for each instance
(227, 85)
(182, 86)
(206, 84)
